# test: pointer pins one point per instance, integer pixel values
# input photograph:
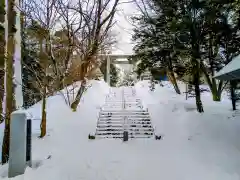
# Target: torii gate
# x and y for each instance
(113, 58)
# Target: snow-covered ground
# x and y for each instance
(194, 146)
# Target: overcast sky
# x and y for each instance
(123, 27)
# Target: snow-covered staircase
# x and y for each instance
(121, 112)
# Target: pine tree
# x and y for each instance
(155, 46)
(214, 25)
(230, 43)
(31, 93)
(41, 35)
(175, 31)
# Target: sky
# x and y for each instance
(123, 27)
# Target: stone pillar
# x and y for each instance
(17, 152)
(108, 70)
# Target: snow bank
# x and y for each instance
(193, 146)
(211, 138)
(58, 109)
(57, 102)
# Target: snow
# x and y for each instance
(193, 146)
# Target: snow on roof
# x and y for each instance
(231, 71)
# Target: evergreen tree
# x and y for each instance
(215, 27)
(229, 41)
(155, 46)
(31, 93)
(175, 30)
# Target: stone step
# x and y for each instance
(107, 126)
(129, 119)
(119, 121)
(127, 111)
(121, 107)
(121, 126)
(113, 120)
(113, 112)
(109, 129)
(123, 113)
(120, 99)
(149, 127)
(120, 135)
(129, 130)
(121, 132)
(121, 103)
(138, 116)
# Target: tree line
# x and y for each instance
(188, 40)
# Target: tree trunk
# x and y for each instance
(43, 125)
(216, 93)
(11, 16)
(2, 73)
(216, 96)
(233, 95)
(173, 80)
(215, 90)
(195, 57)
(2, 57)
(82, 71)
(171, 75)
(76, 102)
(196, 81)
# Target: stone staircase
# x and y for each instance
(123, 111)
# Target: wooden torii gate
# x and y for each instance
(113, 58)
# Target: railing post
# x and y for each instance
(29, 143)
(125, 131)
(17, 152)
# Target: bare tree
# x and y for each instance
(70, 35)
(44, 19)
(98, 17)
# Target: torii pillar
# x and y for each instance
(108, 70)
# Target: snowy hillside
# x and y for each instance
(57, 108)
(193, 146)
